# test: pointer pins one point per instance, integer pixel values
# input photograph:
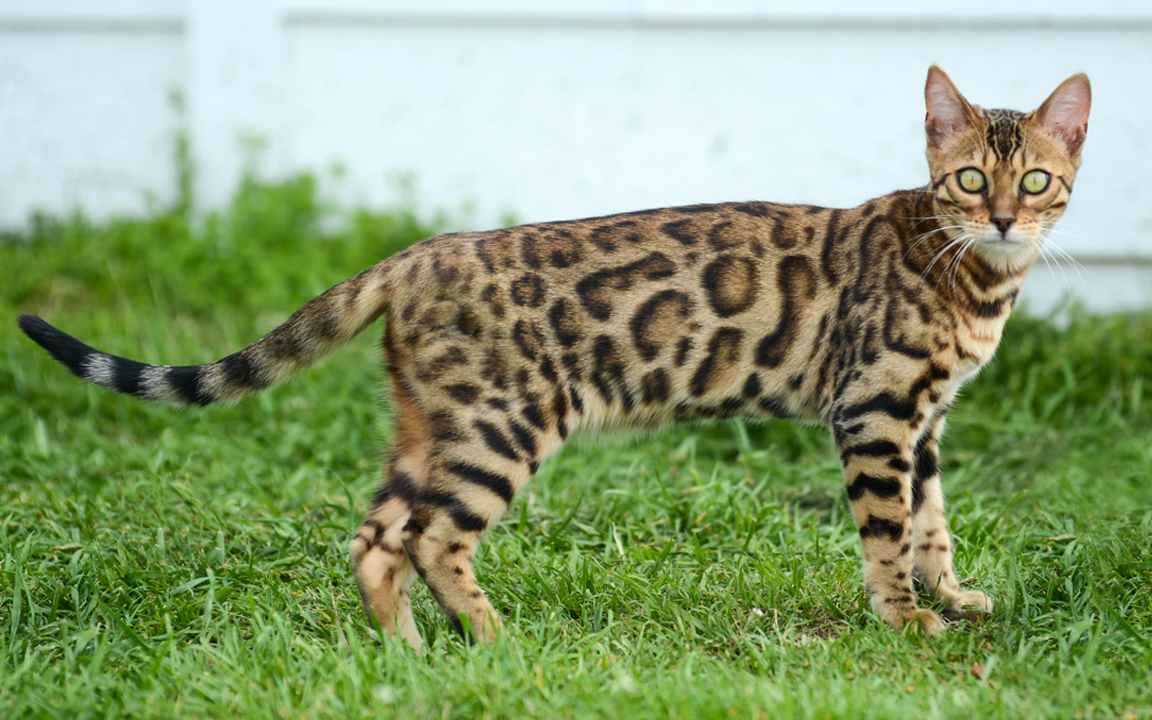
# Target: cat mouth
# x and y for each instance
(1012, 248)
(1009, 241)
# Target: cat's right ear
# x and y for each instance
(1064, 115)
(948, 111)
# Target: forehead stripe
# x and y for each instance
(1003, 132)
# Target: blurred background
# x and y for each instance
(561, 109)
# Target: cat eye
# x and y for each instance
(972, 180)
(1035, 182)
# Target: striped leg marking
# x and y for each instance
(384, 572)
(879, 477)
(931, 542)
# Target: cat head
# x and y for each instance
(1001, 178)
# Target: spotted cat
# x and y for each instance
(501, 344)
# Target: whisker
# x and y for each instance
(956, 261)
(1047, 252)
(952, 243)
(924, 237)
(934, 217)
(1052, 246)
(1055, 249)
(1062, 232)
(960, 239)
(1044, 255)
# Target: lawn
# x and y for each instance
(192, 563)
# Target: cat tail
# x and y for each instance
(324, 324)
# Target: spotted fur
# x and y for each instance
(501, 344)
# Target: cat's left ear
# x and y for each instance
(1064, 115)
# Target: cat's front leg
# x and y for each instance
(877, 465)
(931, 542)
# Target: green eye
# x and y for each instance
(1035, 182)
(973, 181)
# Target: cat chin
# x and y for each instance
(1009, 253)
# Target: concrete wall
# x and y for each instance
(567, 108)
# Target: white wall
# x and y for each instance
(86, 117)
(568, 108)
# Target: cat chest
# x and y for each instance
(973, 351)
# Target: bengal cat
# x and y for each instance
(501, 344)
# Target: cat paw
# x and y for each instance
(928, 622)
(970, 605)
(931, 624)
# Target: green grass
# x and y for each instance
(164, 563)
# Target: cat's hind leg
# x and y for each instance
(468, 486)
(486, 449)
(442, 553)
(477, 441)
(384, 572)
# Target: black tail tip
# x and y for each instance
(61, 346)
(35, 328)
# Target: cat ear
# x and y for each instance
(948, 111)
(1064, 115)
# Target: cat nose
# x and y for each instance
(1003, 223)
